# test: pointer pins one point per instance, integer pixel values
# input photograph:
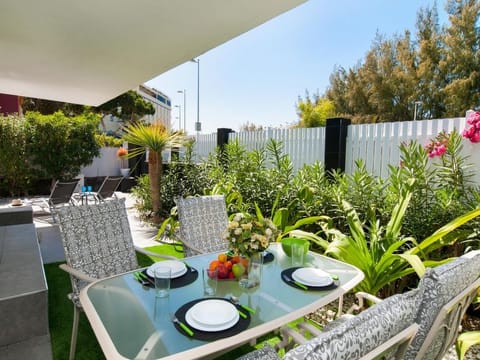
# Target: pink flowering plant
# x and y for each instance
(438, 145)
(248, 235)
(473, 132)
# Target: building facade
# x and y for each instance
(161, 103)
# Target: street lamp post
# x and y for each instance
(198, 125)
(180, 116)
(416, 104)
(184, 92)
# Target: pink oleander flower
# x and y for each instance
(437, 146)
(473, 132)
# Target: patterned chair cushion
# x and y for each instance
(97, 240)
(437, 287)
(203, 220)
(265, 353)
(361, 334)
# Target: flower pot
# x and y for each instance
(125, 172)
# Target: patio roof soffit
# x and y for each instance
(90, 51)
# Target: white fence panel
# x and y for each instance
(378, 144)
(304, 146)
(204, 145)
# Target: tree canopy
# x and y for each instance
(438, 68)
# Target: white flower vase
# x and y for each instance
(125, 172)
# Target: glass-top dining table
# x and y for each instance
(131, 323)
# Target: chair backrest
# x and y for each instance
(446, 292)
(203, 221)
(109, 185)
(384, 328)
(62, 192)
(97, 240)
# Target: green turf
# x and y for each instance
(60, 312)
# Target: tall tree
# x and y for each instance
(462, 57)
(430, 77)
(314, 112)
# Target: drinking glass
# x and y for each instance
(210, 279)
(162, 277)
(298, 252)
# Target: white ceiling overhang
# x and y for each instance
(90, 51)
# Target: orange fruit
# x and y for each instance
(235, 259)
(214, 264)
(222, 257)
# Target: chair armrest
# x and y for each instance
(362, 296)
(77, 273)
(150, 253)
(306, 327)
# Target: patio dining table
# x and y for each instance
(131, 323)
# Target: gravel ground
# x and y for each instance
(470, 323)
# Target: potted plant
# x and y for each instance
(122, 154)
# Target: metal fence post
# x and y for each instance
(335, 143)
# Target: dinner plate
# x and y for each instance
(312, 277)
(178, 268)
(212, 315)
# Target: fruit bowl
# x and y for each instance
(289, 241)
(229, 267)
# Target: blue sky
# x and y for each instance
(258, 76)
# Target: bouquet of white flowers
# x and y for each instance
(248, 235)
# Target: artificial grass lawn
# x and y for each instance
(60, 314)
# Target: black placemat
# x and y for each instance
(189, 277)
(241, 325)
(268, 257)
(287, 278)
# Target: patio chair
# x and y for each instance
(446, 292)
(385, 328)
(98, 243)
(107, 190)
(61, 195)
(203, 220)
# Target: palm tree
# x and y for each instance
(155, 138)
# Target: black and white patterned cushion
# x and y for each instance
(361, 334)
(437, 287)
(203, 221)
(97, 240)
(265, 353)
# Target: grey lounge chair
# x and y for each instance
(107, 190)
(203, 220)
(61, 195)
(385, 328)
(97, 243)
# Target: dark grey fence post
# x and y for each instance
(222, 137)
(335, 143)
(222, 140)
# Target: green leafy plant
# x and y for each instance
(60, 145)
(381, 251)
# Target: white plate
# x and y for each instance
(213, 312)
(312, 277)
(198, 326)
(178, 268)
(212, 315)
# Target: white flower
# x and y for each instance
(238, 231)
(238, 217)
